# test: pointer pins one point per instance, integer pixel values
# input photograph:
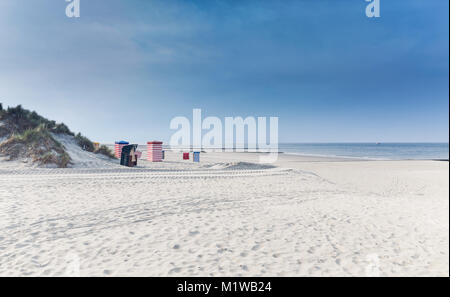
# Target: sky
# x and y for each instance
(124, 69)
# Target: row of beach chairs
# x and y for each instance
(128, 153)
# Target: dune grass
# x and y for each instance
(37, 144)
(27, 127)
(84, 143)
(18, 120)
(104, 150)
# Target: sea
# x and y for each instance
(374, 151)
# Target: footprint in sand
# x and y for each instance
(107, 272)
(256, 247)
(193, 233)
(174, 270)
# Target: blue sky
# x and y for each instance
(126, 68)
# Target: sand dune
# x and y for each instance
(81, 158)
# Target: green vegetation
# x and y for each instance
(18, 120)
(30, 135)
(104, 150)
(37, 144)
(88, 145)
(84, 143)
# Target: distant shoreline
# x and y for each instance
(344, 151)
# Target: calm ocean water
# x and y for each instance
(389, 151)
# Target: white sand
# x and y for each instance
(225, 217)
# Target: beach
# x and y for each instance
(234, 143)
(226, 216)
